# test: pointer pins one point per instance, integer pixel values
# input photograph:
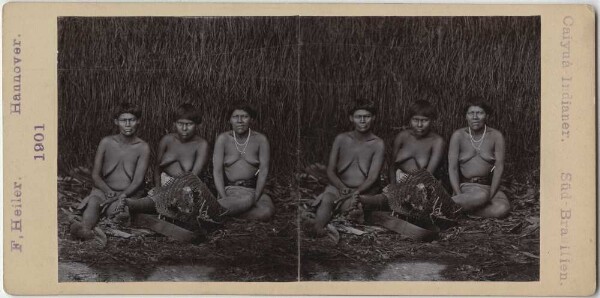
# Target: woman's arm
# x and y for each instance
(453, 152)
(397, 145)
(218, 156)
(97, 170)
(332, 164)
(201, 157)
(162, 147)
(437, 154)
(499, 165)
(264, 157)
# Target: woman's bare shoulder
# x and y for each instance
(343, 136)
(493, 130)
(200, 140)
(436, 138)
(259, 136)
(403, 134)
(461, 131)
(108, 139)
(168, 137)
(224, 134)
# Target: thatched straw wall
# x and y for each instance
(162, 62)
(395, 61)
(301, 73)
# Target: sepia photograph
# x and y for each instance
(352, 149)
(177, 146)
(299, 148)
(422, 160)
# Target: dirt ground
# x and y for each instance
(477, 249)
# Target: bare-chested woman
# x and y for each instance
(418, 147)
(118, 174)
(353, 169)
(476, 164)
(183, 151)
(179, 153)
(240, 167)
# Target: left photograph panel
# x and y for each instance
(177, 144)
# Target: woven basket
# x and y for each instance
(420, 198)
(187, 199)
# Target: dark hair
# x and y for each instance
(478, 102)
(127, 108)
(244, 107)
(422, 108)
(362, 105)
(187, 111)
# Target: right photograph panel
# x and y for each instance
(419, 148)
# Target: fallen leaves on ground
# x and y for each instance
(476, 249)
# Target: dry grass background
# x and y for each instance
(395, 61)
(162, 62)
(301, 73)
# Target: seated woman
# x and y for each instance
(476, 164)
(416, 149)
(179, 153)
(240, 167)
(419, 147)
(183, 151)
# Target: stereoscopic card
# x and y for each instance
(296, 149)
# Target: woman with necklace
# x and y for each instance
(240, 167)
(476, 164)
